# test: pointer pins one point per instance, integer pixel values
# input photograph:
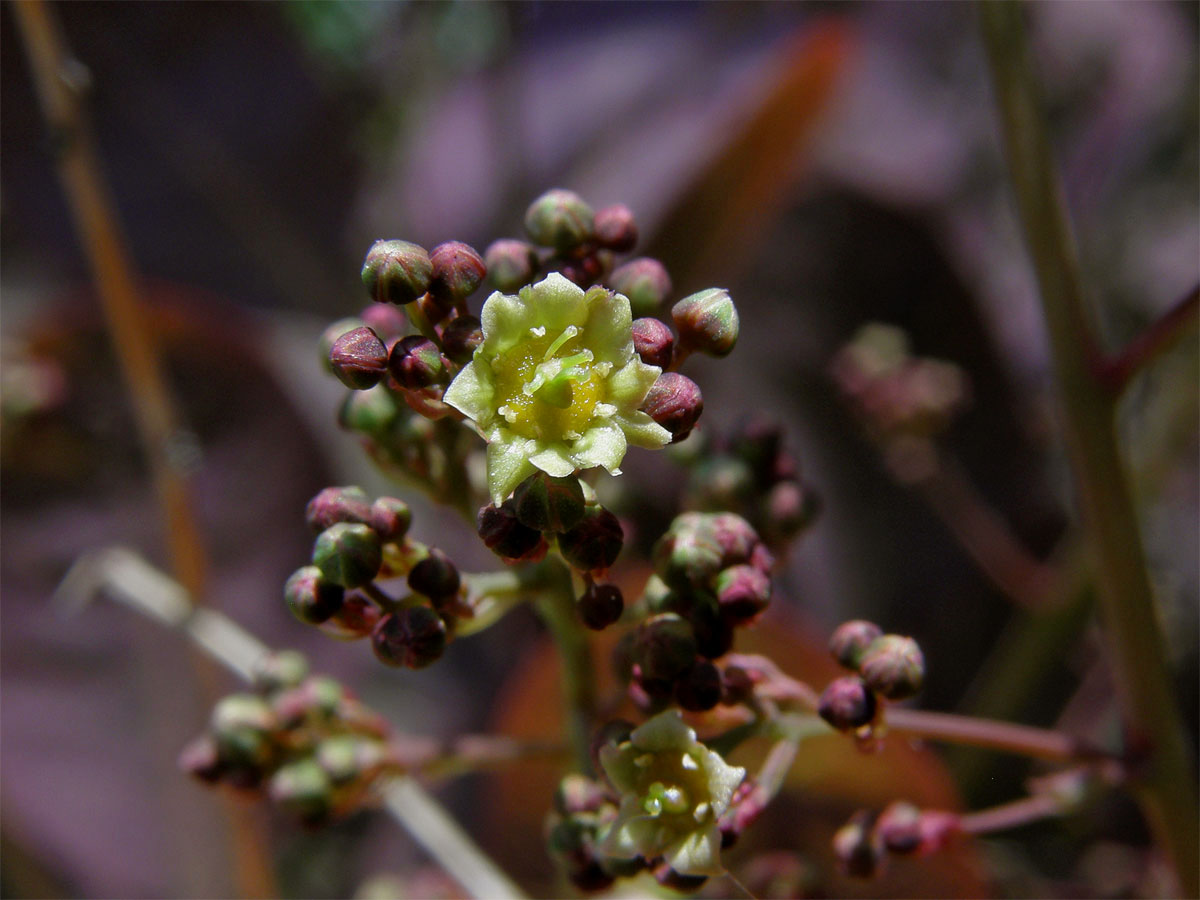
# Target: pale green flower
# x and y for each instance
(556, 384)
(674, 791)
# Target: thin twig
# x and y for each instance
(1011, 815)
(1025, 740)
(1152, 343)
(125, 577)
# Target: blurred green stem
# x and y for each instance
(1165, 784)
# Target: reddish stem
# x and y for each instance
(1116, 372)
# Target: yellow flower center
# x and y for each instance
(547, 388)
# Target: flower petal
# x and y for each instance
(555, 303)
(553, 459)
(696, 853)
(665, 731)
(507, 463)
(628, 386)
(506, 321)
(601, 445)
(642, 431)
(723, 780)
(472, 393)
(633, 833)
(608, 326)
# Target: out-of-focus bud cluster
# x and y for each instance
(302, 740)
(863, 844)
(359, 542)
(887, 665)
(711, 577)
(903, 401)
(749, 471)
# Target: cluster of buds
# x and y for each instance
(302, 740)
(359, 542)
(749, 471)
(711, 577)
(862, 845)
(887, 665)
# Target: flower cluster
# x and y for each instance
(300, 739)
(887, 665)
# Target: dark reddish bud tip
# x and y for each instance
(457, 271)
(460, 338)
(358, 359)
(653, 341)
(616, 228)
(311, 598)
(385, 320)
(847, 703)
(664, 647)
(560, 219)
(850, 641)
(505, 536)
(645, 282)
(742, 593)
(675, 403)
(510, 264)
(601, 605)
(415, 362)
(390, 518)
(396, 272)
(413, 637)
(348, 554)
(593, 544)
(436, 577)
(699, 688)
(337, 504)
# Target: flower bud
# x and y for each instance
(348, 554)
(645, 282)
(737, 686)
(894, 666)
(303, 789)
(460, 338)
(311, 597)
(846, 703)
(412, 637)
(707, 321)
(664, 647)
(899, 827)
(505, 536)
(371, 412)
(615, 228)
(510, 264)
(457, 271)
(201, 759)
(354, 619)
(791, 507)
(584, 270)
(385, 320)
(549, 504)
(329, 336)
(687, 559)
(348, 757)
(415, 362)
(857, 848)
(714, 633)
(737, 539)
(435, 577)
(850, 641)
(396, 272)
(241, 726)
(280, 670)
(593, 544)
(742, 593)
(358, 358)
(560, 219)
(601, 605)
(722, 482)
(390, 519)
(675, 403)
(699, 688)
(337, 504)
(653, 341)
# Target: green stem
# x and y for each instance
(556, 606)
(1167, 786)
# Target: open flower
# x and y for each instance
(556, 384)
(673, 792)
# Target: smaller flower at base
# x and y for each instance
(673, 792)
(415, 362)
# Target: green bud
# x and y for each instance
(687, 558)
(241, 725)
(358, 358)
(311, 597)
(846, 703)
(645, 282)
(560, 219)
(348, 554)
(396, 272)
(390, 518)
(303, 789)
(280, 670)
(707, 321)
(850, 641)
(743, 592)
(347, 757)
(371, 412)
(510, 264)
(894, 666)
(549, 504)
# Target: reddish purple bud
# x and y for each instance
(707, 321)
(337, 504)
(743, 592)
(664, 647)
(358, 359)
(615, 228)
(653, 341)
(416, 363)
(847, 703)
(356, 618)
(390, 518)
(894, 666)
(583, 271)
(601, 605)
(699, 688)
(311, 598)
(736, 537)
(850, 641)
(413, 638)
(505, 536)
(675, 403)
(593, 544)
(645, 282)
(899, 827)
(436, 577)
(385, 320)
(396, 272)
(460, 338)
(510, 264)
(457, 271)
